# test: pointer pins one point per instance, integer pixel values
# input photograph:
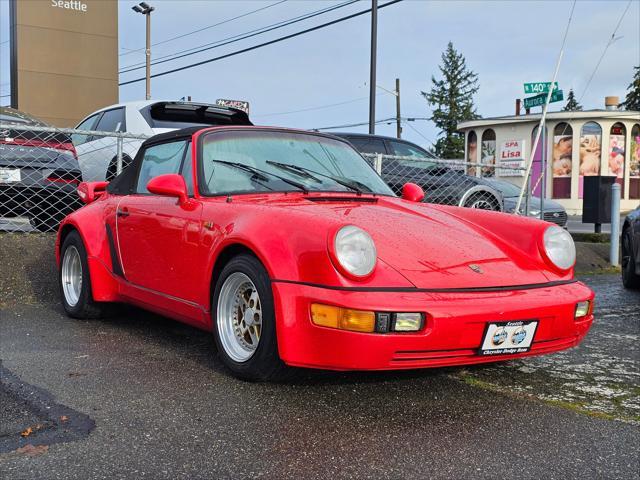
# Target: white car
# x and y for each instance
(97, 155)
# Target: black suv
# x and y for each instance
(440, 183)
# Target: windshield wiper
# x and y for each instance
(295, 169)
(345, 182)
(260, 174)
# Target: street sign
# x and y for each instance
(539, 87)
(538, 100)
(239, 104)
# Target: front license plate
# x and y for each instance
(506, 338)
(10, 175)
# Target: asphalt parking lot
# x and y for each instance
(141, 396)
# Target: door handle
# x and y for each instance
(122, 213)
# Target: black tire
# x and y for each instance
(86, 307)
(264, 364)
(482, 201)
(630, 279)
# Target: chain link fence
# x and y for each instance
(41, 168)
(453, 182)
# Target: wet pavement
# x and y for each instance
(163, 407)
(601, 377)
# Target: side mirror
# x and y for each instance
(412, 192)
(89, 191)
(169, 185)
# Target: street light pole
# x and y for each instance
(148, 56)
(145, 9)
(372, 73)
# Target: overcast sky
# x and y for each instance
(505, 42)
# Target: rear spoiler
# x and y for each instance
(89, 191)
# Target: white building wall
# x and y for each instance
(524, 131)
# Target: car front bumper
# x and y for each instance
(452, 334)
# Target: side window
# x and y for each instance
(88, 124)
(158, 160)
(368, 145)
(404, 149)
(187, 170)
(112, 121)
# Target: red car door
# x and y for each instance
(158, 239)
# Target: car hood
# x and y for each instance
(430, 246)
(549, 205)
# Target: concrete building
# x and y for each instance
(576, 144)
(64, 58)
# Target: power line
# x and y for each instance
(276, 114)
(271, 42)
(203, 28)
(419, 133)
(234, 38)
(612, 39)
(309, 109)
(349, 125)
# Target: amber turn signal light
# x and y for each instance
(342, 318)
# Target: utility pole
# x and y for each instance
(372, 73)
(145, 9)
(398, 117)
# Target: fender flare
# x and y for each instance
(482, 189)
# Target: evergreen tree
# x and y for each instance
(452, 97)
(572, 104)
(632, 101)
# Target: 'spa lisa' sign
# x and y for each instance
(512, 150)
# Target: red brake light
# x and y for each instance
(66, 181)
(32, 142)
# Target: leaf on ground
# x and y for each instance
(64, 418)
(32, 451)
(27, 432)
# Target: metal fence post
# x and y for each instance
(527, 207)
(377, 163)
(119, 158)
(543, 193)
(615, 225)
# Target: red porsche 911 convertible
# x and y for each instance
(290, 248)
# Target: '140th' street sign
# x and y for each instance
(538, 100)
(539, 87)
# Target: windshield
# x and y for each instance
(262, 161)
(506, 188)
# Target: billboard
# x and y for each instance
(64, 58)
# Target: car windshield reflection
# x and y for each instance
(258, 161)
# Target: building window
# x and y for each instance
(488, 153)
(617, 143)
(590, 152)
(472, 152)
(634, 164)
(590, 149)
(562, 160)
(536, 165)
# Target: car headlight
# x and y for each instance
(534, 213)
(559, 247)
(355, 251)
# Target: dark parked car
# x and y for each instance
(553, 211)
(440, 183)
(631, 250)
(39, 172)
